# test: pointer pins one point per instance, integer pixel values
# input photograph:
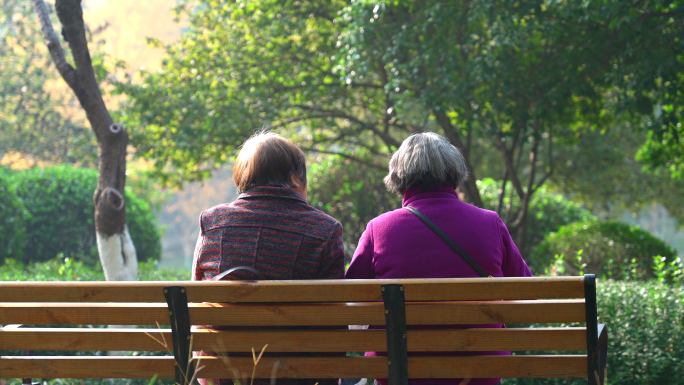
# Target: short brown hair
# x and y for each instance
(268, 159)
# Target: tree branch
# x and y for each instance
(350, 157)
(56, 53)
(389, 141)
(551, 165)
(508, 162)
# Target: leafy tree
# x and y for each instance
(356, 79)
(36, 119)
(599, 170)
(350, 192)
(640, 55)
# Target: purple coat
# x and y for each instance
(399, 245)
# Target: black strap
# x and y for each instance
(252, 270)
(448, 241)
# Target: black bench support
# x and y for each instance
(593, 365)
(177, 300)
(603, 351)
(397, 344)
(28, 381)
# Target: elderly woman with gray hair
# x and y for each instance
(435, 235)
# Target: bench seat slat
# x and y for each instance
(366, 313)
(298, 341)
(556, 366)
(450, 289)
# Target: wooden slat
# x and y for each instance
(365, 313)
(297, 341)
(299, 367)
(83, 339)
(444, 289)
(512, 339)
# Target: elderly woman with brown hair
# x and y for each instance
(407, 243)
(270, 229)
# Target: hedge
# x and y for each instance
(608, 249)
(67, 269)
(59, 216)
(12, 213)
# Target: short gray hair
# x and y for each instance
(427, 160)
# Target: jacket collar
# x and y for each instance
(272, 192)
(416, 193)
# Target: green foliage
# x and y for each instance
(547, 213)
(608, 249)
(67, 269)
(598, 169)
(351, 193)
(60, 218)
(12, 212)
(237, 68)
(645, 323)
(34, 117)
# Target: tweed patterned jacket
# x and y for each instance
(274, 230)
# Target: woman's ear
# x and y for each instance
(299, 186)
(295, 181)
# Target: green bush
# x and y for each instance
(66, 269)
(12, 213)
(547, 212)
(645, 323)
(608, 249)
(60, 210)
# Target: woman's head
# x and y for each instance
(268, 159)
(427, 160)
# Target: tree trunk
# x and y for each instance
(114, 244)
(470, 189)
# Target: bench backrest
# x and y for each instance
(275, 305)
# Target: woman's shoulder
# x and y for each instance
(300, 218)
(322, 217)
(213, 217)
(478, 211)
(389, 217)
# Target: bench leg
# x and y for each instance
(603, 352)
(397, 345)
(594, 371)
(28, 381)
(177, 301)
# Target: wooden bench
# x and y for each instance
(272, 304)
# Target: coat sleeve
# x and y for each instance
(361, 266)
(207, 258)
(513, 263)
(195, 257)
(332, 261)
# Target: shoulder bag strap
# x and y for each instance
(252, 270)
(448, 241)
